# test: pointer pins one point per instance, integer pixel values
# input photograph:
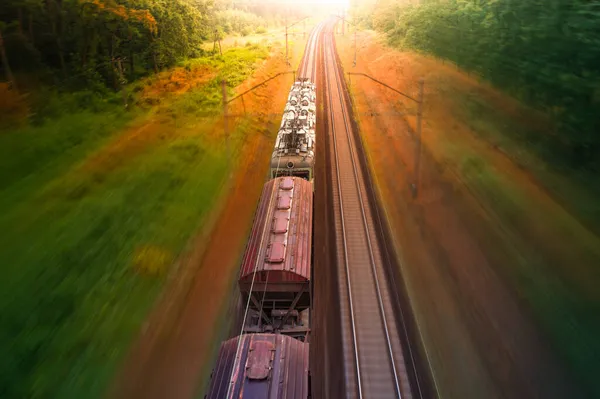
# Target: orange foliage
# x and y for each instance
(125, 13)
(175, 81)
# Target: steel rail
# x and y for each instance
(347, 268)
(410, 349)
(305, 56)
(314, 52)
(309, 61)
(366, 226)
(353, 156)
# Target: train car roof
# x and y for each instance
(279, 248)
(269, 366)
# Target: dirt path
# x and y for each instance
(174, 352)
(481, 340)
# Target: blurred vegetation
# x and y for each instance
(97, 201)
(545, 53)
(99, 198)
(238, 21)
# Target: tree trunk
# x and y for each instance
(111, 52)
(84, 53)
(31, 37)
(53, 22)
(152, 39)
(131, 63)
(131, 54)
(122, 83)
(61, 56)
(6, 66)
(21, 22)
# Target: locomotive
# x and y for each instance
(270, 358)
(294, 152)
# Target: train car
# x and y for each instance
(254, 366)
(276, 267)
(294, 152)
(270, 359)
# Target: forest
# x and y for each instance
(546, 53)
(103, 44)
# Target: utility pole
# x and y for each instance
(419, 100)
(286, 37)
(122, 80)
(355, 29)
(217, 40)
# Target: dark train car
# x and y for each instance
(276, 267)
(268, 366)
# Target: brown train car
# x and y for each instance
(276, 267)
(254, 366)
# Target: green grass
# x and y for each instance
(540, 152)
(77, 280)
(33, 155)
(557, 293)
(566, 315)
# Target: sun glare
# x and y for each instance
(339, 4)
(335, 3)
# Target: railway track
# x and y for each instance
(374, 359)
(308, 65)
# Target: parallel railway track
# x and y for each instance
(374, 357)
(308, 65)
(375, 365)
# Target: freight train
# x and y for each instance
(270, 358)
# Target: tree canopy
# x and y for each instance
(78, 43)
(544, 52)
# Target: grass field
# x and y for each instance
(95, 208)
(560, 294)
(531, 141)
(554, 256)
(546, 211)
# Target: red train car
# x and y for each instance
(266, 366)
(276, 267)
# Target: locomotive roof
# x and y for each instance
(279, 247)
(269, 366)
(297, 131)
